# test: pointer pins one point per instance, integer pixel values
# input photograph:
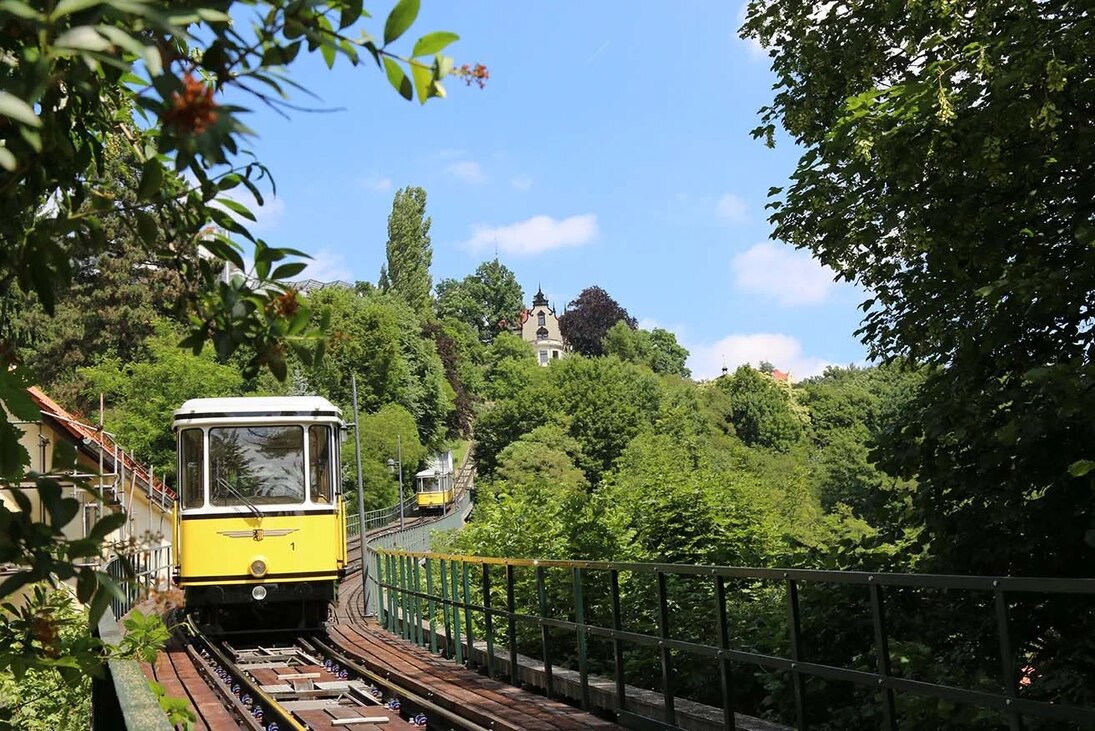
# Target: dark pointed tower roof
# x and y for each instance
(539, 300)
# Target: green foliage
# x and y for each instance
(145, 635)
(656, 348)
(41, 687)
(588, 319)
(141, 395)
(380, 339)
(607, 403)
(177, 709)
(82, 181)
(378, 444)
(484, 300)
(944, 159)
(407, 273)
(763, 410)
(546, 454)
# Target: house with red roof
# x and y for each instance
(115, 479)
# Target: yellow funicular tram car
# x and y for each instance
(435, 484)
(259, 529)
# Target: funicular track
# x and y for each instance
(280, 681)
(276, 682)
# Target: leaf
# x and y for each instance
(432, 43)
(107, 525)
(237, 207)
(398, 79)
(82, 38)
(7, 160)
(20, 10)
(68, 7)
(147, 227)
(15, 108)
(400, 19)
(350, 14)
(1081, 467)
(423, 81)
(151, 179)
(329, 52)
(285, 271)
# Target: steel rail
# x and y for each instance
(269, 704)
(415, 698)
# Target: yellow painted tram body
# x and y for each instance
(435, 484)
(260, 532)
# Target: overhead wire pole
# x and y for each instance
(360, 506)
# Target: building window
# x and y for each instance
(542, 333)
(555, 354)
(541, 320)
(543, 357)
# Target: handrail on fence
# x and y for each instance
(138, 575)
(527, 604)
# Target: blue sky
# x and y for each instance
(611, 147)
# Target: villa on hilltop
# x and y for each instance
(539, 326)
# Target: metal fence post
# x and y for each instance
(545, 644)
(488, 619)
(665, 652)
(725, 676)
(797, 680)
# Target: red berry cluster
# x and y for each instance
(477, 74)
(193, 110)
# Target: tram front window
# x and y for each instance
(260, 465)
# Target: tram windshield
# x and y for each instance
(256, 465)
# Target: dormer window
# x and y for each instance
(542, 334)
(541, 320)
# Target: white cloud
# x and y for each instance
(790, 277)
(782, 351)
(327, 266)
(377, 183)
(731, 208)
(467, 170)
(521, 182)
(535, 235)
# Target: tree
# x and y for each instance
(380, 339)
(655, 348)
(407, 272)
(588, 319)
(763, 410)
(74, 75)
(143, 394)
(484, 299)
(378, 444)
(115, 298)
(947, 168)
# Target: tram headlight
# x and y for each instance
(258, 568)
(258, 593)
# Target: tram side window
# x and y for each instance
(319, 449)
(192, 457)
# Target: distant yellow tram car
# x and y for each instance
(435, 485)
(259, 530)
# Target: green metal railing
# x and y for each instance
(445, 602)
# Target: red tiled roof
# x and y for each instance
(781, 375)
(80, 431)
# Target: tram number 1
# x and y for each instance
(292, 546)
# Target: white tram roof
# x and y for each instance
(254, 407)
